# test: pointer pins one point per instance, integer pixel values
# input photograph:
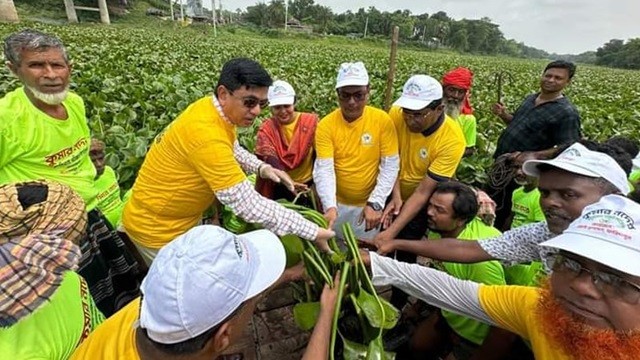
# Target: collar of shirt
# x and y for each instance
(431, 129)
(220, 111)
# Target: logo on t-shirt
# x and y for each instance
(69, 156)
(367, 139)
(423, 153)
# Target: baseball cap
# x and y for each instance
(578, 159)
(281, 93)
(418, 92)
(202, 277)
(352, 74)
(606, 232)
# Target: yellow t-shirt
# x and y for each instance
(514, 308)
(190, 160)
(304, 171)
(114, 339)
(356, 149)
(437, 154)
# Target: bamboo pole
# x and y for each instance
(388, 91)
(71, 11)
(104, 12)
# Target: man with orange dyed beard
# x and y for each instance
(586, 309)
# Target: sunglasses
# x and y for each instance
(251, 102)
(357, 96)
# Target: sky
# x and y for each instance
(560, 26)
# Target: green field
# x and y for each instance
(136, 80)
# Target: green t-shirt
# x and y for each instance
(34, 145)
(109, 201)
(524, 274)
(634, 177)
(486, 272)
(55, 329)
(526, 207)
(468, 124)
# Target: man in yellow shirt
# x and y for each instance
(197, 299)
(357, 156)
(586, 309)
(431, 146)
(197, 160)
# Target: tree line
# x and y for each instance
(479, 36)
(620, 54)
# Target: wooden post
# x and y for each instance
(104, 12)
(71, 11)
(388, 91)
(8, 11)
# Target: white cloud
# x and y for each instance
(562, 26)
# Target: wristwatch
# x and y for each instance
(374, 206)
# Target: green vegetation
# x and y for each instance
(135, 81)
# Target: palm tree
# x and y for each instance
(8, 11)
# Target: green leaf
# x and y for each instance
(293, 247)
(306, 314)
(369, 305)
(355, 351)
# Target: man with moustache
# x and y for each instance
(586, 309)
(452, 213)
(578, 176)
(543, 121)
(456, 85)
(431, 147)
(197, 160)
(357, 156)
(44, 135)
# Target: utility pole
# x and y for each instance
(213, 17)
(286, 14)
(366, 25)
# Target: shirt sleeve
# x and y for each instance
(509, 306)
(389, 146)
(517, 245)
(387, 175)
(250, 206)
(324, 178)
(248, 161)
(470, 132)
(324, 175)
(434, 287)
(567, 127)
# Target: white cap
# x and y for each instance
(606, 232)
(578, 159)
(352, 74)
(281, 93)
(418, 92)
(202, 277)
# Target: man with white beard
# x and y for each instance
(456, 85)
(44, 134)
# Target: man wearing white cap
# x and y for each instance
(431, 146)
(586, 309)
(285, 141)
(578, 176)
(197, 298)
(357, 156)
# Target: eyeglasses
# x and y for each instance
(357, 96)
(251, 102)
(608, 284)
(415, 114)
